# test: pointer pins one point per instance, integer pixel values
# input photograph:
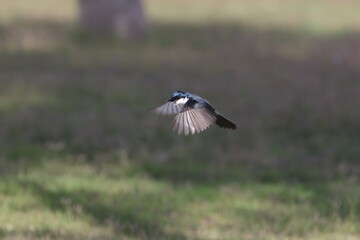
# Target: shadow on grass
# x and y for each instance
(47, 234)
(294, 96)
(126, 213)
(132, 213)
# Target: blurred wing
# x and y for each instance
(169, 108)
(193, 120)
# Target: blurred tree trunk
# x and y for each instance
(123, 18)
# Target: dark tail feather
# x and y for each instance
(223, 122)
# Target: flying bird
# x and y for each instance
(194, 114)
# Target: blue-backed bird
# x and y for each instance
(193, 113)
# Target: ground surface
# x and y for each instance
(83, 158)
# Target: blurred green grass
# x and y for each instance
(82, 157)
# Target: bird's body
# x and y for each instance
(193, 113)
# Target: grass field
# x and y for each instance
(82, 157)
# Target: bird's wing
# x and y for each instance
(169, 108)
(193, 120)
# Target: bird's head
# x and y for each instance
(177, 95)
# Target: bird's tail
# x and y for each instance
(223, 122)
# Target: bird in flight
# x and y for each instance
(194, 114)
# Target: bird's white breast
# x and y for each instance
(181, 101)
